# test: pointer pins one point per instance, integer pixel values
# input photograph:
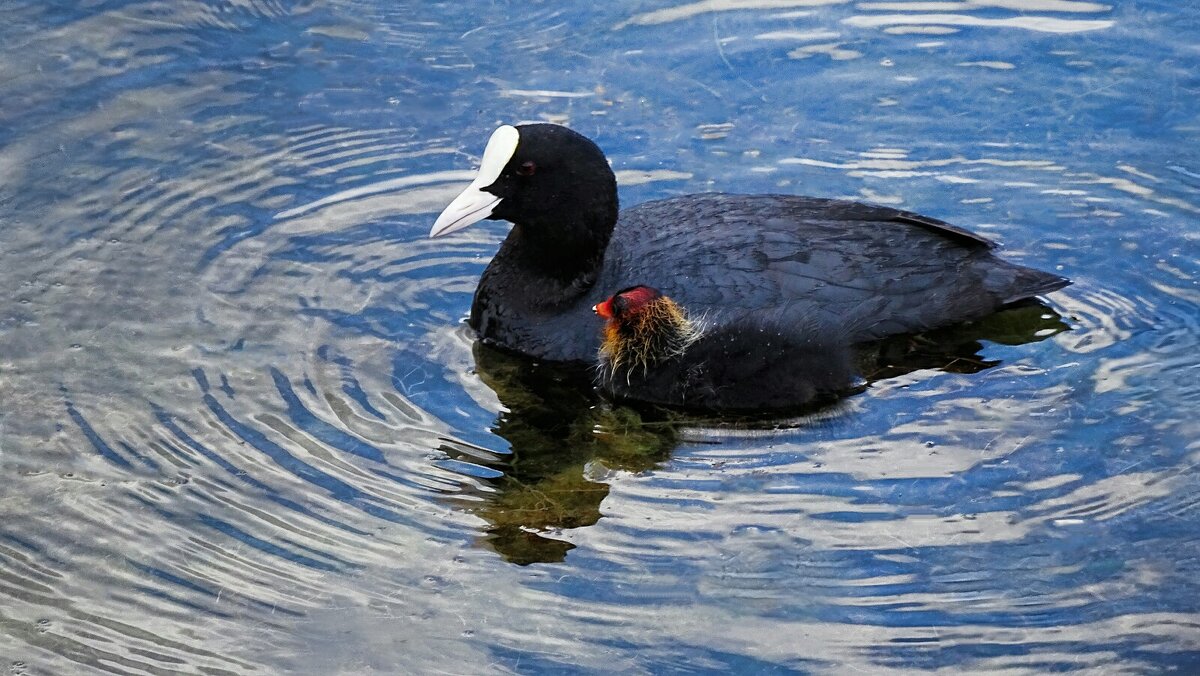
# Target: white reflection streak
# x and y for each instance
(894, 167)
(709, 6)
(1015, 5)
(545, 93)
(1032, 23)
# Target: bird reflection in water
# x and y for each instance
(565, 439)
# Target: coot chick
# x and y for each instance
(653, 351)
(854, 271)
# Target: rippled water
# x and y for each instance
(243, 429)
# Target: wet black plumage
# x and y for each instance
(654, 351)
(824, 269)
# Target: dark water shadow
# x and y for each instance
(565, 438)
(956, 349)
(562, 435)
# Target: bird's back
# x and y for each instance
(858, 271)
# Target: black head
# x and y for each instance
(553, 177)
(554, 185)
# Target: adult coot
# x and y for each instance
(653, 350)
(858, 272)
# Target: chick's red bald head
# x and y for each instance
(625, 301)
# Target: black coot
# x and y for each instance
(653, 350)
(835, 270)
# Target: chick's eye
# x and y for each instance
(527, 168)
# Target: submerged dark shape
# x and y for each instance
(563, 438)
(653, 351)
(840, 270)
(560, 436)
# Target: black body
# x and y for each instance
(752, 365)
(825, 270)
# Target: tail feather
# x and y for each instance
(1028, 282)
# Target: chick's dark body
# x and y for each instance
(752, 365)
(827, 270)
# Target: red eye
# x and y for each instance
(527, 168)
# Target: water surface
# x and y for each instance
(244, 430)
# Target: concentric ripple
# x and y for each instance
(244, 429)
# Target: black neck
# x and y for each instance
(559, 260)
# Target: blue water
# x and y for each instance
(244, 430)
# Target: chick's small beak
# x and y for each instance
(604, 309)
